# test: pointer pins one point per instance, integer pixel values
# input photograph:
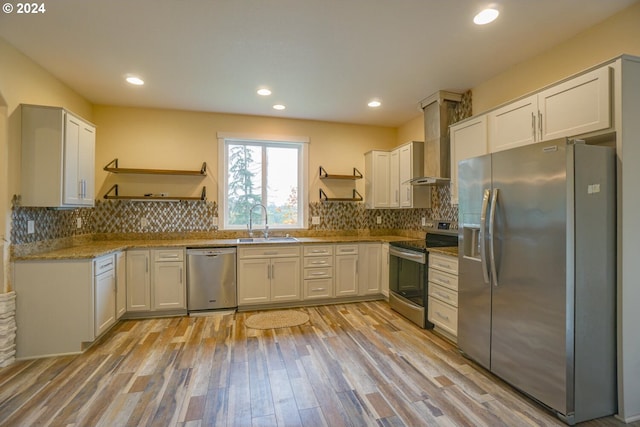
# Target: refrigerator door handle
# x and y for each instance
(492, 222)
(481, 236)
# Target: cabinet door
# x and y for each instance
(376, 171)
(285, 279)
(394, 179)
(406, 173)
(513, 125)
(79, 162)
(253, 281)
(369, 271)
(138, 281)
(577, 106)
(346, 275)
(168, 286)
(384, 270)
(71, 173)
(121, 284)
(468, 139)
(105, 301)
(86, 164)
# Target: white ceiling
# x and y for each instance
(323, 59)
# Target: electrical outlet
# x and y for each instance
(315, 220)
(378, 219)
(215, 221)
(144, 223)
(31, 226)
(424, 221)
(78, 222)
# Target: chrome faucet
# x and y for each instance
(266, 221)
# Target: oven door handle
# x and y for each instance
(408, 255)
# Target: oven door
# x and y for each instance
(407, 274)
(407, 285)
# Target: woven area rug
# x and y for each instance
(276, 319)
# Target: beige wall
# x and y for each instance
(413, 130)
(615, 36)
(167, 139)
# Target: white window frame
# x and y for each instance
(303, 177)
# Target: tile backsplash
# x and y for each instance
(120, 217)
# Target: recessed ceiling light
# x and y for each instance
(264, 92)
(486, 16)
(279, 107)
(135, 80)
(374, 104)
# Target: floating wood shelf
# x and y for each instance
(113, 167)
(356, 197)
(112, 194)
(325, 175)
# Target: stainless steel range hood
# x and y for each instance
(438, 111)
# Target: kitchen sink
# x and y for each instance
(274, 239)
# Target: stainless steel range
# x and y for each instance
(408, 270)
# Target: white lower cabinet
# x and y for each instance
(384, 270)
(317, 272)
(104, 293)
(346, 270)
(121, 284)
(443, 294)
(62, 305)
(156, 280)
(268, 274)
(369, 268)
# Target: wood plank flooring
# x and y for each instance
(351, 365)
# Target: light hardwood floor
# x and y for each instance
(350, 365)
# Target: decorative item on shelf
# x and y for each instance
(114, 168)
(357, 197)
(112, 194)
(325, 175)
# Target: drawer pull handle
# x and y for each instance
(443, 280)
(318, 274)
(318, 289)
(318, 262)
(318, 251)
(441, 295)
(444, 265)
(442, 316)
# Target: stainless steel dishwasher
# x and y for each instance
(211, 278)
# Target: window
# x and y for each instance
(270, 171)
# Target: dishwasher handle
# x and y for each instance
(211, 252)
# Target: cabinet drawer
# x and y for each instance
(268, 251)
(103, 264)
(320, 261)
(444, 279)
(443, 315)
(318, 273)
(318, 288)
(346, 249)
(444, 263)
(168, 255)
(443, 294)
(317, 250)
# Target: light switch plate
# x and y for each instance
(315, 220)
(78, 222)
(424, 221)
(215, 221)
(31, 226)
(144, 223)
(378, 219)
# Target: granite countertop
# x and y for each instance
(98, 248)
(447, 250)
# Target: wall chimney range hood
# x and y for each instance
(438, 113)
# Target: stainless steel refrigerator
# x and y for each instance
(537, 273)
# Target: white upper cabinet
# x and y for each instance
(58, 158)
(575, 107)
(394, 179)
(411, 163)
(513, 125)
(468, 139)
(376, 179)
(572, 108)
